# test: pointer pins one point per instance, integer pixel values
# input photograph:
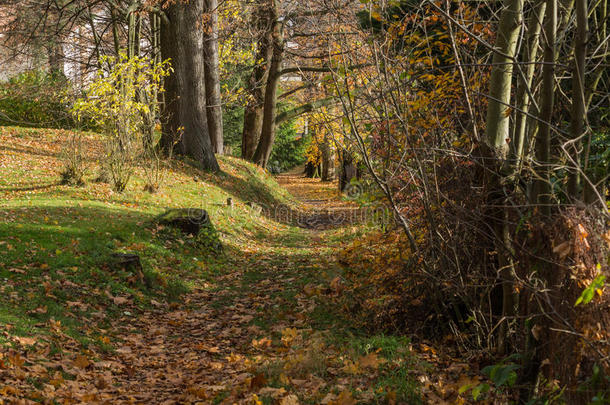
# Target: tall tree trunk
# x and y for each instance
(56, 58)
(523, 100)
(498, 119)
(578, 120)
(114, 14)
(328, 160)
(496, 150)
(253, 114)
(591, 194)
(171, 101)
(542, 185)
(212, 77)
(267, 138)
(348, 170)
(185, 110)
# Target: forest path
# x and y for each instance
(257, 334)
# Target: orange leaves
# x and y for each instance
(263, 343)
(288, 336)
(371, 360)
(81, 362)
(364, 364)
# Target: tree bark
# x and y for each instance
(170, 103)
(253, 114)
(498, 117)
(267, 138)
(497, 147)
(185, 108)
(542, 185)
(577, 126)
(523, 100)
(328, 160)
(212, 77)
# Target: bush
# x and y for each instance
(74, 163)
(233, 125)
(289, 149)
(123, 102)
(36, 99)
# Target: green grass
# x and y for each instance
(57, 241)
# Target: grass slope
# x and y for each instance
(57, 240)
(61, 295)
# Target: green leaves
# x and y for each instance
(478, 390)
(589, 293)
(502, 374)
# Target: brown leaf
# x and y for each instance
(344, 398)
(371, 360)
(120, 300)
(81, 362)
(257, 382)
(25, 341)
(290, 400)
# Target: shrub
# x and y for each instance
(36, 99)
(74, 162)
(289, 149)
(122, 101)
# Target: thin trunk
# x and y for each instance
(590, 193)
(577, 127)
(542, 191)
(185, 110)
(497, 147)
(253, 114)
(212, 77)
(115, 30)
(267, 138)
(498, 110)
(56, 58)
(534, 26)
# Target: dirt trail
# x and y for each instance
(210, 350)
(324, 206)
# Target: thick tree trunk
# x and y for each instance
(185, 95)
(170, 102)
(498, 120)
(328, 160)
(212, 77)
(348, 171)
(253, 115)
(265, 145)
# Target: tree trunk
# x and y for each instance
(498, 117)
(542, 185)
(56, 58)
(267, 138)
(497, 147)
(577, 126)
(328, 160)
(534, 26)
(212, 77)
(185, 92)
(170, 102)
(253, 115)
(348, 170)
